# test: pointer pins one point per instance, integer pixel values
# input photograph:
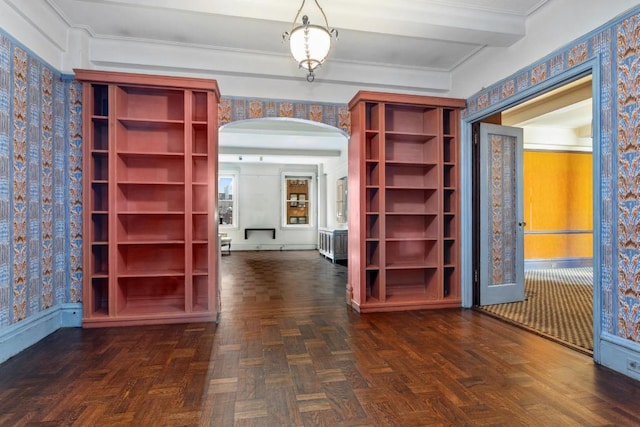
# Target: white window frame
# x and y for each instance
(312, 199)
(234, 197)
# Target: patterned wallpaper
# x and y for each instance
(233, 109)
(36, 186)
(628, 180)
(502, 209)
(618, 46)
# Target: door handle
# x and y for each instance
(522, 223)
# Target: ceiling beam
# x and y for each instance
(431, 20)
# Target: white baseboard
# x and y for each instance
(534, 264)
(620, 355)
(269, 247)
(21, 335)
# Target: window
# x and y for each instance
(298, 199)
(227, 200)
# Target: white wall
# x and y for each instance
(259, 203)
(551, 27)
(554, 138)
(334, 169)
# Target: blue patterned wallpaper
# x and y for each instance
(502, 209)
(628, 177)
(618, 46)
(232, 109)
(37, 185)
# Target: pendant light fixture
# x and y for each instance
(309, 44)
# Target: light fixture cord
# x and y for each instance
(293, 25)
(326, 22)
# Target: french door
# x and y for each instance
(501, 215)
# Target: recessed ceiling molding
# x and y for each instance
(402, 46)
(36, 27)
(465, 22)
(113, 53)
(43, 20)
(463, 27)
(535, 7)
(583, 148)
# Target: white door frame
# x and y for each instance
(591, 66)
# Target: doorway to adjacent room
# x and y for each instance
(540, 237)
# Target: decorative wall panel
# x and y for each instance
(74, 185)
(5, 181)
(502, 209)
(60, 129)
(20, 111)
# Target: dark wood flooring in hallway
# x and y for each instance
(289, 352)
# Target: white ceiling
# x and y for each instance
(558, 119)
(411, 45)
(573, 116)
(377, 36)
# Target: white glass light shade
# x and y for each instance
(310, 45)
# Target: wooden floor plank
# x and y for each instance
(289, 352)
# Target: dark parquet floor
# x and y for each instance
(289, 352)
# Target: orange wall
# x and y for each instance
(557, 196)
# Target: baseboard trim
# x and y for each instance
(270, 247)
(619, 355)
(21, 335)
(535, 264)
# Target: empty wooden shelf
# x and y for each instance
(150, 167)
(403, 191)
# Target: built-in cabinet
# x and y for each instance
(150, 165)
(403, 202)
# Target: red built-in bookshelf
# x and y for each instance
(404, 190)
(150, 165)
